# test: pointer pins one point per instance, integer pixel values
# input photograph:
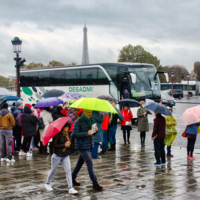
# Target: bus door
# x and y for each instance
(124, 89)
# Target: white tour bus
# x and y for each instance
(119, 80)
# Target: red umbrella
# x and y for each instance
(54, 128)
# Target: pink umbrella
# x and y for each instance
(54, 128)
(191, 116)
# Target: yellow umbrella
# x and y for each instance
(94, 104)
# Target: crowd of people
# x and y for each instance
(20, 131)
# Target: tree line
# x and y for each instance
(52, 63)
(137, 54)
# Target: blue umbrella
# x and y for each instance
(11, 98)
(48, 102)
(159, 108)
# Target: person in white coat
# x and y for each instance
(47, 119)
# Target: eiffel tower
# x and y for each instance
(85, 56)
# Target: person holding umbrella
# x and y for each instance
(61, 145)
(126, 124)
(191, 133)
(83, 143)
(158, 134)
(143, 124)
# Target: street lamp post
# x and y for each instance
(188, 77)
(172, 76)
(16, 42)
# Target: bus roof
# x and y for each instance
(95, 65)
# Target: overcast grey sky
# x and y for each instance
(53, 30)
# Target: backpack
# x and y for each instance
(41, 123)
(18, 120)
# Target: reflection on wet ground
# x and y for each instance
(127, 173)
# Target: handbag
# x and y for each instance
(40, 123)
(127, 123)
(184, 133)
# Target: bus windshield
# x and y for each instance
(147, 82)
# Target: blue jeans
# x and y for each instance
(84, 156)
(105, 141)
(95, 150)
(112, 134)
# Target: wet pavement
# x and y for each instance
(127, 173)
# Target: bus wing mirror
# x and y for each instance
(133, 77)
(166, 77)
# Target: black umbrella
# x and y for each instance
(53, 93)
(131, 102)
(3, 101)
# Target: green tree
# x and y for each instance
(178, 70)
(4, 82)
(52, 63)
(137, 54)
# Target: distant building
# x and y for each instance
(85, 56)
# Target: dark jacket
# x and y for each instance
(16, 111)
(59, 144)
(28, 123)
(159, 127)
(115, 117)
(58, 114)
(83, 141)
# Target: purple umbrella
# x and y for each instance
(48, 102)
(72, 95)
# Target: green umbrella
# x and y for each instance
(94, 104)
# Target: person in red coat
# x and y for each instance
(126, 124)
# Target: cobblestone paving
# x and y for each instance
(127, 173)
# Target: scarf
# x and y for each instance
(143, 110)
(66, 135)
(89, 121)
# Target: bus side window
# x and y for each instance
(89, 76)
(72, 77)
(57, 77)
(44, 78)
(102, 78)
(24, 79)
(33, 79)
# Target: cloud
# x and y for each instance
(54, 30)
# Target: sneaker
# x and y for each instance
(97, 187)
(10, 160)
(157, 164)
(170, 156)
(163, 163)
(188, 157)
(192, 157)
(29, 154)
(48, 187)
(21, 153)
(3, 159)
(72, 191)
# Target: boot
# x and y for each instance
(97, 187)
(44, 150)
(111, 148)
(40, 148)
